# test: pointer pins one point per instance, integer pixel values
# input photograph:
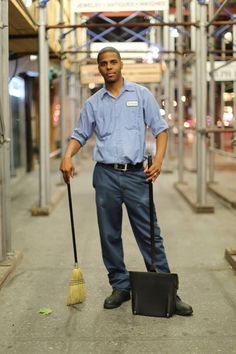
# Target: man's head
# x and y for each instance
(108, 49)
(110, 65)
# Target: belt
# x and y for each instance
(123, 166)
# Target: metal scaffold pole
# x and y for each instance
(197, 196)
(62, 83)
(44, 190)
(5, 223)
(193, 75)
(172, 96)
(166, 45)
(72, 95)
(222, 91)
(234, 87)
(201, 89)
(212, 96)
(179, 11)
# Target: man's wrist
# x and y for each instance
(159, 160)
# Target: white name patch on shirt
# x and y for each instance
(132, 103)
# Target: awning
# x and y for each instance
(23, 37)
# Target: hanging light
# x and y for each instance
(174, 32)
(228, 37)
(27, 3)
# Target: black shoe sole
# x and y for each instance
(113, 306)
(186, 313)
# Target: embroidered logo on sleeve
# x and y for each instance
(132, 103)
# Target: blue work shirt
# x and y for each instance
(119, 123)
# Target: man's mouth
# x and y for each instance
(110, 74)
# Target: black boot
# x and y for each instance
(116, 299)
(182, 308)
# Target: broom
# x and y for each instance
(77, 291)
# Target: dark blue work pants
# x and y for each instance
(113, 188)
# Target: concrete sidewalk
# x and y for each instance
(195, 247)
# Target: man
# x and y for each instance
(118, 114)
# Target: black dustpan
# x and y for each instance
(153, 293)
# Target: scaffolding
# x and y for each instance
(198, 25)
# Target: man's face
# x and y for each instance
(110, 67)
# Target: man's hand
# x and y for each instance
(67, 168)
(153, 171)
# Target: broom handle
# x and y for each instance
(151, 210)
(72, 223)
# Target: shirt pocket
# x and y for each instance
(132, 118)
(104, 125)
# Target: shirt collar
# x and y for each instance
(128, 86)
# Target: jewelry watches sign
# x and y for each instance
(140, 73)
(222, 71)
(120, 5)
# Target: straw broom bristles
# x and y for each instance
(77, 291)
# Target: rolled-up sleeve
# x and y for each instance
(85, 126)
(152, 114)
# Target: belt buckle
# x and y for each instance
(117, 166)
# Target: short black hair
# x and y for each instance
(108, 49)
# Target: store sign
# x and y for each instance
(119, 5)
(129, 50)
(139, 73)
(224, 73)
